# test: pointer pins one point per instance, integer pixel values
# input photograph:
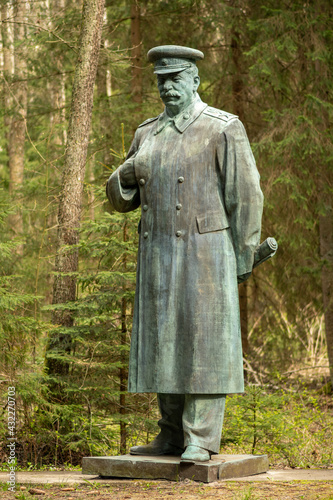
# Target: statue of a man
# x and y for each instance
(192, 171)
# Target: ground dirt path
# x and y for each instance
(185, 490)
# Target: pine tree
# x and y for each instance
(66, 265)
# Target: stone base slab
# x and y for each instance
(167, 467)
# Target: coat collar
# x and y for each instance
(184, 119)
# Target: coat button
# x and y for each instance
(145, 235)
(179, 206)
(145, 208)
(186, 116)
(180, 179)
(178, 233)
(142, 182)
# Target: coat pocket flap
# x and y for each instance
(212, 221)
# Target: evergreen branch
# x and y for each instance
(24, 119)
(43, 29)
(89, 365)
(49, 75)
(146, 15)
(115, 23)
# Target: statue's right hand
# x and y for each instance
(127, 174)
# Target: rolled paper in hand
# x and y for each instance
(265, 251)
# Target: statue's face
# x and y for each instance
(177, 90)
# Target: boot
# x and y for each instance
(159, 446)
(195, 454)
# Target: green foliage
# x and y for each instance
(16, 323)
(86, 421)
(291, 428)
(284, 67)
(292, 63)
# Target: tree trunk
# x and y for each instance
(122, 370)
(237, 80)
(326, 253)
(17, 129)
(69, 215)
(326, 217)
(16, 106)
(7, 69)
(103, 95)
(238, 109)
(8, 62)
(136, 44)
(242, 292)
(57, 85)
(123, 378)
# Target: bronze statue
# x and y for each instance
(193, 172)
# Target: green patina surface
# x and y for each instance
(193, 173)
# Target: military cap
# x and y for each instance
(173, 58)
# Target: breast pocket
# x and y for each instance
(212, 221)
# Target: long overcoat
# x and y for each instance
(201, 204)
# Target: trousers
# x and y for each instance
(192, 419)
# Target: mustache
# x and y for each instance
(171, 93)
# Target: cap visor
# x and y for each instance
(164, 71)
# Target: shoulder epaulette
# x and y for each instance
(221, 115)
(148, 121)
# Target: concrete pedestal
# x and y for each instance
(167, 467)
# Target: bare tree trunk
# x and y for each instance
(326, 253)
(57, 86)
(122, 370)
(8, 67)
(8, 57)
(237, 80)
(326, 218)
(17, 131)
(238, 109)
(15, 104)
(123, 378)
(91, 193)
(102, 82)
(242, 292)
(66, 264)
(136, 43)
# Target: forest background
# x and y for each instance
(67, 267)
